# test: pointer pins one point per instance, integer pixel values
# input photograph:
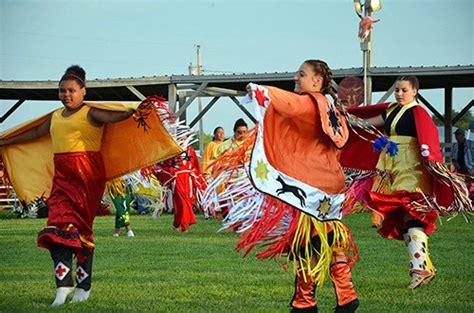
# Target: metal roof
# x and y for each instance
(431, 77)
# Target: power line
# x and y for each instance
(100, 40)
(55, 59)
(221, 71)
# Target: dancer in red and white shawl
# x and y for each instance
(183, 176)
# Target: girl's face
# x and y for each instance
(240, 132)
(404, 92)
(71, 94)
(306, 80)
(219, 134)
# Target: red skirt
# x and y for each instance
(183, 202)
(399, 207)
(78, 187)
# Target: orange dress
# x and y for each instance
(296, 184)
(293, 131)
(292, 203)
(299, 149)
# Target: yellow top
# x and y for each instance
(230, 144)
(209, 156)
(74, 133)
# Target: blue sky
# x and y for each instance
(39, 39)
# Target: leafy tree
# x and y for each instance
(463, 123)
(207, 139)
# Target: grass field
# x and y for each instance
(161, 270)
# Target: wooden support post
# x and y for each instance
(432, 108)
(191, 99)
(204, 111)
(463, 111)
(172, 96)
(243, 109)
(11, 110)
(182, 115)
(335, 86)
(448, 112)
(136, 93)
(387, 94)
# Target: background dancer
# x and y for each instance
(120, 193)
(210, 153)
(182, 175)
(240, 128)
(231, 144)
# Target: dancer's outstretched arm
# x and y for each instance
(99, 117)
(30, 134)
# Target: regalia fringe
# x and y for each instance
(264, 223)
(461, 204)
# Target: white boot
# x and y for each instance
(61, 295)
(80, 295)
(130, 233)
(422, 270)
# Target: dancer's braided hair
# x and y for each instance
(321, 68)
(412, 80)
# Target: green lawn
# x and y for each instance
(161, 270)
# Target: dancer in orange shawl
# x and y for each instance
(76, 133)
(297, 207)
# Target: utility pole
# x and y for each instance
(197, 70)
(366, 47)
(201, 120)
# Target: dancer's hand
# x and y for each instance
(248, 88)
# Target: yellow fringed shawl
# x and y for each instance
(125, 148)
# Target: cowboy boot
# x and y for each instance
(422, 270)
(83, 277)
(62, 260)
(304, 299)
(341, 277)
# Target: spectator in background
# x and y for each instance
(463, 153)
(210, 152)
